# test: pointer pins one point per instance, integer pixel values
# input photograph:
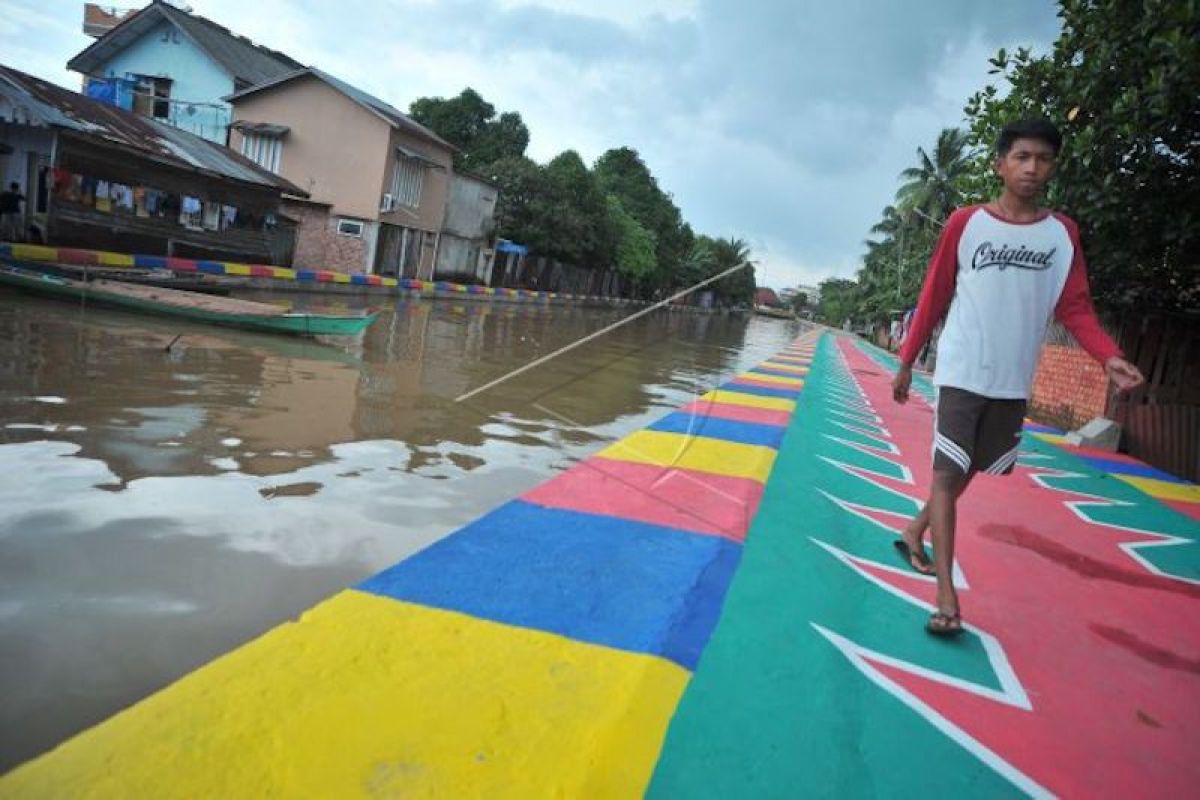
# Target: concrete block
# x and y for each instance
(1100, 433)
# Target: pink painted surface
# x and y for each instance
(677, 498)
(764, 416)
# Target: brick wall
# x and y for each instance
(1069, 389)
(320, 246)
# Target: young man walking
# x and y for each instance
(1001, 270)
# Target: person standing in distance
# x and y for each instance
(999, 272)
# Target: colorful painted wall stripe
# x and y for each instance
(78, 257)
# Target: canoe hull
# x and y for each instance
(294, 324)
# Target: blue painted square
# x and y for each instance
(306, 275)
(359, 279)
(716, 428)
(605, 580)
(150, 262)
(762, 391)
(1117, 467)
(211, 267)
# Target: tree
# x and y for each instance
(1122, 82)
(837, 301)
(711, 257)
(635, 244)
(799, 302)
(575, 214)
(469, 123)
(932, 188)
(622, 173)
(518, 210)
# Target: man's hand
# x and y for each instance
(902, 381)
(1125, 375)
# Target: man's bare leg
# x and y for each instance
(947, 487)
(914, 531)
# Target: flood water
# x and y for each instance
(160, 506)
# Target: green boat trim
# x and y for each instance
(187, 305)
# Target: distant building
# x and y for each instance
(379, 181)
(765, 296)
(811, 293)
(466, 250)
(172, 65)
(101, 177)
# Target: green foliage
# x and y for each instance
(470, 123)
(614, 215)
(622, 174)
(709, 257)
(837, 301)
(932, 189)
(635, 244)
(1122, 82)
(799, 302)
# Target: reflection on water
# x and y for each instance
(161, 505)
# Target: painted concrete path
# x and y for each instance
(633, 626)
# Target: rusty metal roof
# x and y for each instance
(246, 61)
(33, 101)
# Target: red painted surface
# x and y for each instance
(1106, 651)
(181, 264)
(258, 271)
(731, 411)
(677, 498)
(69, 255)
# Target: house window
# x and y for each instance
(407, 178)
(262, 149)
(152, 97)
(350, 227)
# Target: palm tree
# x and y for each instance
(932, 187)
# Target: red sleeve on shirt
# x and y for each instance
(938, 291)
(1074, 309)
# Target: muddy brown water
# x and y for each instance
(160, 506)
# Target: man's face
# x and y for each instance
(1026, 167)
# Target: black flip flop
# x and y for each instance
(920, 555)
(944, 630)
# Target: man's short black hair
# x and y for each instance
(1042, 129)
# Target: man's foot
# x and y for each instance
(945, 624)
(915, 555)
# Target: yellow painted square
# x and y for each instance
(284, 272)
(115, 259)
(237, 269)
(366, 696)
(34, 252)
(694, 452)
(776, 379)
(1164, 490)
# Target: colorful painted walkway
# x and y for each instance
(633, 626)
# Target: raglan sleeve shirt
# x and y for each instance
(1074, 309)
(938, 290)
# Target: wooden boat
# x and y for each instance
(777, 313)
(187, 305)
(163, 279)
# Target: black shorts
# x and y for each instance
(973, 433)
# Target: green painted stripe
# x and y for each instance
(775, 709)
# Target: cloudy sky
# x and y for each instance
(784, 122)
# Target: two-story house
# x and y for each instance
(174, 66)
(378, 179)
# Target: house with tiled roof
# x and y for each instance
(175, 66)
